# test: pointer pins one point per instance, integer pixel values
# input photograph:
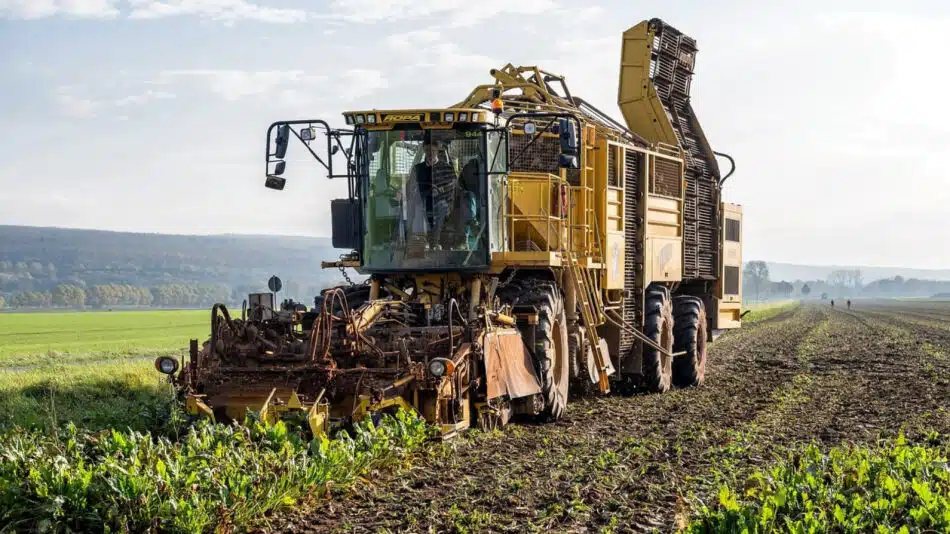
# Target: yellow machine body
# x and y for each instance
(594, 247)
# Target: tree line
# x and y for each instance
(107, 295)
(840, 283)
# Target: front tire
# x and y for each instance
(552, 354)
(551, 350)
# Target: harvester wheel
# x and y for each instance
(658, 326)
(552, 353)
(689, 335)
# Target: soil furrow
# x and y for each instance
(637, 464)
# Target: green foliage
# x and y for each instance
(68, 295)
(100, 296)
(767, 310)
(895, 487)
(213, 476)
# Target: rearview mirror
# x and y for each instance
(275, 182)
(279, 168)
(308, 134)
(283, 137)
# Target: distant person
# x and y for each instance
(849, 304)
(832, 303)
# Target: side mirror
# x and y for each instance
(279, 168)
(569, 145)
(334, 150)
(275, 182)
(568, 133)
(283, 138)
(308, 134)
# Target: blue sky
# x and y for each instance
(150, 116)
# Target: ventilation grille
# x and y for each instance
(612, 174)
(632, 255)
(666, 178)
(541, 156)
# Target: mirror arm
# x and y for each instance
(329, 168)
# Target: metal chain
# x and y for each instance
(510, 277)
(346, 276)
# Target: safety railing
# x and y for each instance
(537, 208)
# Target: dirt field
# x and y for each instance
(637, 464)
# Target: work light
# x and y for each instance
(166, 365)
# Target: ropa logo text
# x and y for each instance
(402, 118)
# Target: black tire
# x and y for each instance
(689, 335)
(581, 385)
(551, 350)
(658, 326)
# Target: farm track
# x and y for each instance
(635, 464)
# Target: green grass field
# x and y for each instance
(28, 339)
(91, 368)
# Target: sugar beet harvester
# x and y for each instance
(521, 247)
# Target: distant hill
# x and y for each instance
(164, 270)
(791, 272)
(39, 259)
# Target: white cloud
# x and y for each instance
(412, 39)
(75, 105)
(361, 82)
(222, 10)
(142, 98)
(37, 9)
(453, 13)
(233, 85)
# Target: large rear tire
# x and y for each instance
(658, 326)
(689, 335)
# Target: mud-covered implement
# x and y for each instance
(518, 246)
(336, 364)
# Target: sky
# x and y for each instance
(148, 115)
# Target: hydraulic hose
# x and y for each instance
(731, 162)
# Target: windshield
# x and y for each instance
(426, 197)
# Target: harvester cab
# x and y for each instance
(517, 245)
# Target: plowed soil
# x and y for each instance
(638, 464)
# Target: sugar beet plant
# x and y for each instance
(896, 487)
(215, 476)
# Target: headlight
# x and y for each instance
(437, 367)
(166, 365)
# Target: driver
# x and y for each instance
(436, 181)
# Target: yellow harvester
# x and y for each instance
(521, 247)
